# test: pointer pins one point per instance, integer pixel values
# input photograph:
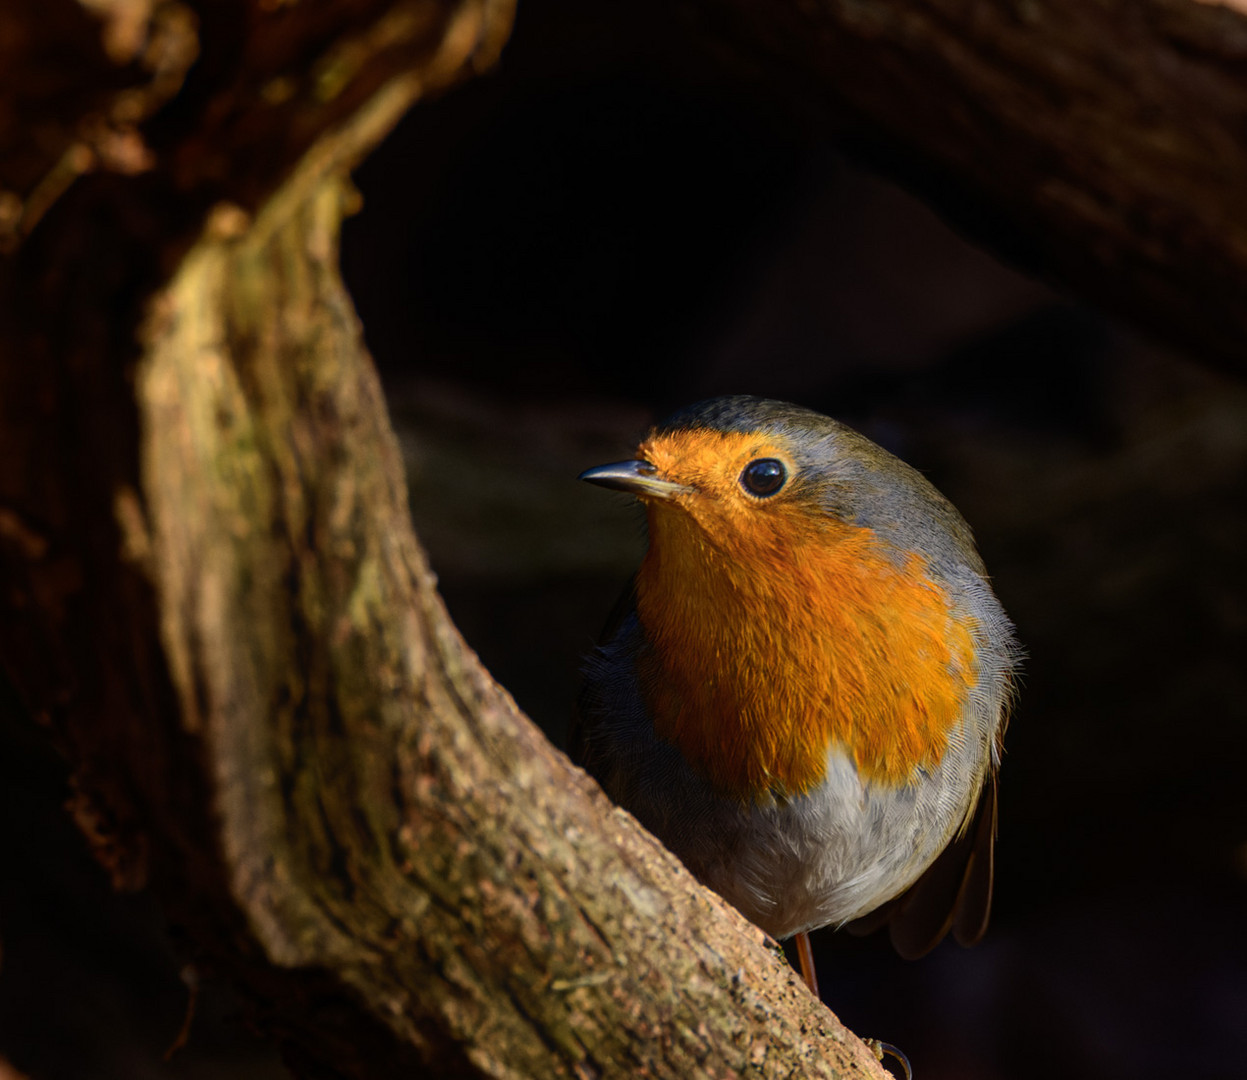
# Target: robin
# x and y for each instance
(804, 691)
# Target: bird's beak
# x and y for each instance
(638, 478)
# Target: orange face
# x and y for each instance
(778, 630)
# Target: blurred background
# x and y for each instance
(616, 223)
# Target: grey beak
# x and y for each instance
(638, 478)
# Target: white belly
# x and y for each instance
(833, 855)
(820, 859)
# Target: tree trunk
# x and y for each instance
(216, 602)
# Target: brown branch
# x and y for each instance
(215, 599)
(385, 814)
(1099, 143)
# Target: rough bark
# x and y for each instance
(215, 601)
(212, 595)
(385, 814)
(1096, 142)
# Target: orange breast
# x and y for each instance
(772, 642)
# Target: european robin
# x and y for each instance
(804, 692)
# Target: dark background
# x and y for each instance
(620, 221)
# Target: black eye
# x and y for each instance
(764, 476)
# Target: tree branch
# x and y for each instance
(386, 815)
(216, 600)
(1095, 142)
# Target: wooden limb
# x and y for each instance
(213, 596)
(1096, 142)
(386, 817)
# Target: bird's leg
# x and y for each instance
(806, 957)
(881, 1049)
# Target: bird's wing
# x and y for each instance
(577, 747)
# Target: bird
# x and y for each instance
(804, 690)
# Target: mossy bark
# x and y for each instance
(215, 602)
(384, 813)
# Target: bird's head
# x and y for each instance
(756, 479)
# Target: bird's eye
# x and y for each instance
(763, 477)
